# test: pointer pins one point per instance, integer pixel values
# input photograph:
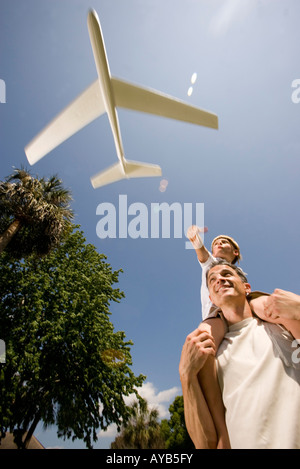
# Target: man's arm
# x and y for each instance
(197, 347)
(198, 419)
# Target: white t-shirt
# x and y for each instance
(259, 374)
(204, 293)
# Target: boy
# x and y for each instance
(223, 247)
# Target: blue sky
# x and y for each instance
(246, 174)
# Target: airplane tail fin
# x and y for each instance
(131, 169)
(136, 169)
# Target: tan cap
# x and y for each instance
(233, 242)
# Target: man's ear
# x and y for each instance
(247, 288)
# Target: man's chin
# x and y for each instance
(223, 294)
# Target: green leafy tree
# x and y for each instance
(174, 430)
(142, 431)
(65, 365)
(34, 214)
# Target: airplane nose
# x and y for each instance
(92, 14)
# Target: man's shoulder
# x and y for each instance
(285, 345)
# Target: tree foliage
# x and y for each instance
(174, 430)
(34, 214)
(65, 364)
(142, 431)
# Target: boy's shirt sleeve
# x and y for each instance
(204, 294)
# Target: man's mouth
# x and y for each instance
(225, 287)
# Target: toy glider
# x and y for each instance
(104, 95)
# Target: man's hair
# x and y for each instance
(238, 270)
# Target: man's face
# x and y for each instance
(224, 249)
(224, 284)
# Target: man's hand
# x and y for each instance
(282, 304)
(197, 347)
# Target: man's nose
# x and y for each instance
(221, 278)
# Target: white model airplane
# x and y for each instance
(104, 95)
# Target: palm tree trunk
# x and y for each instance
(31, 430)
(7, 236)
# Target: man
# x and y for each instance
(259, 379)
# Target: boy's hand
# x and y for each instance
(194, 237)
(282, 304)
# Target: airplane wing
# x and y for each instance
(89, 105)
(151, 101)
(84, 109)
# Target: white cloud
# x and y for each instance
(111, 432)
(160, 401)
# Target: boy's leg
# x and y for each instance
(258, 306)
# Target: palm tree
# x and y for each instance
(142, 431)
(34, 214)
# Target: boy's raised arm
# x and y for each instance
(197, 242)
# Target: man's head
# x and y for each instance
(227, 248)
(226, 283)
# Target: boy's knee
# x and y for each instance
(204, 327)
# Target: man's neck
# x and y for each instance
(234, 313)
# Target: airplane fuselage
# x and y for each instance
(104, 78)
(103, 96)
